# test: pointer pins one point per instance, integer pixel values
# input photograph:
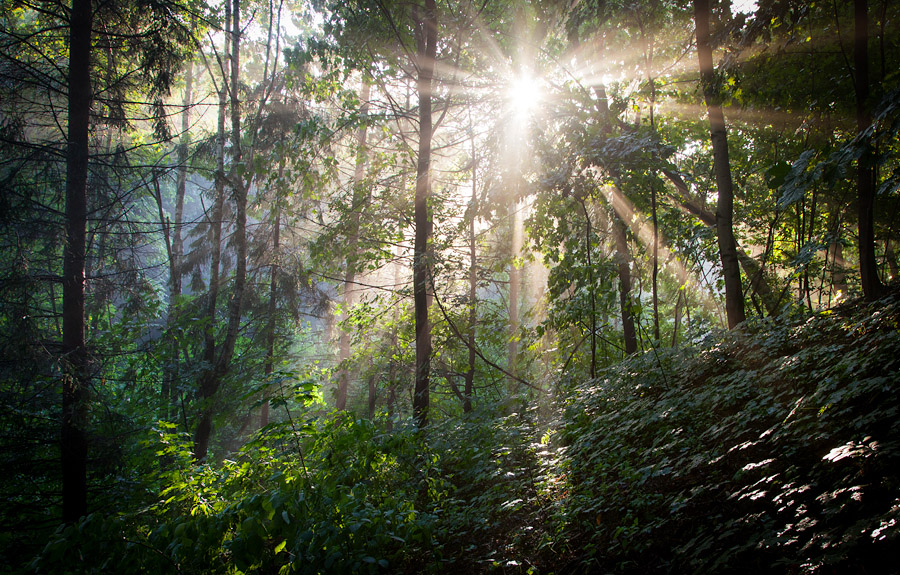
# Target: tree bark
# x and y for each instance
(758, 280)
(623, 256)
(426, 29)
(655, 272)
(394, 342)
(734, 295)
(515, 280)
(865, 170)
(473, 289)
(73, 435)
(588, 234)
(181, 178)
(272, 311)
(176, 254)
(212, 378)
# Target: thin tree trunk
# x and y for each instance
(171, 375)
(809, 238)
(515, 278)
(838, 275)
(655, 273)
(648, 41)
(865, 172)
(426, 52)
(207, 377)
(181, 179)
(73, 433)
(891, 258)
(677, 318)
(473, 288)
(623, 257)
(359, 198)
(758, 282)
(394, 340)
(212, 379)
(269, 366)
(734, 295)
(590, 268)
(372, 394)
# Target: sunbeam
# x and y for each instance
(625, 209)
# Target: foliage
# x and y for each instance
(321, 495)
(769, 449)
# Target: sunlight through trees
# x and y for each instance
(306, 229)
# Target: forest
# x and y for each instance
(449, 286)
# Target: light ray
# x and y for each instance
(642, 230)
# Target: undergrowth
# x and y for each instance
(769, 449)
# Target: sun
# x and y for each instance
(523, 94)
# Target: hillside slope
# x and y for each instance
(775, 448)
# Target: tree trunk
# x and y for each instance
(426, 51)
(270, 320)
(473, 288)
(588, 234)
(648, 40)
(838, 275)
(758, 280)
(677, 318)
(865, 171)
(181, 181)
(359, 198)
(623, 256)
(207, 382)
(394, 346)
(655, 272)
(176, 253)
(891, 257)
(515, 280)
(734, 295)
(73, 433)
(212, 378)
(373, 380)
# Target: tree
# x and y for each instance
(77, 376)
(734, 294)
(426, 32)
(865, 171)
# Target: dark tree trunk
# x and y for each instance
(73, 435)
(865, 172)
(212, 378)
(208, 381)
(655, 272)
(677, 318)
(426, 52)
(758, 282)
(731, 269)
(648, 39)
(623, 256)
